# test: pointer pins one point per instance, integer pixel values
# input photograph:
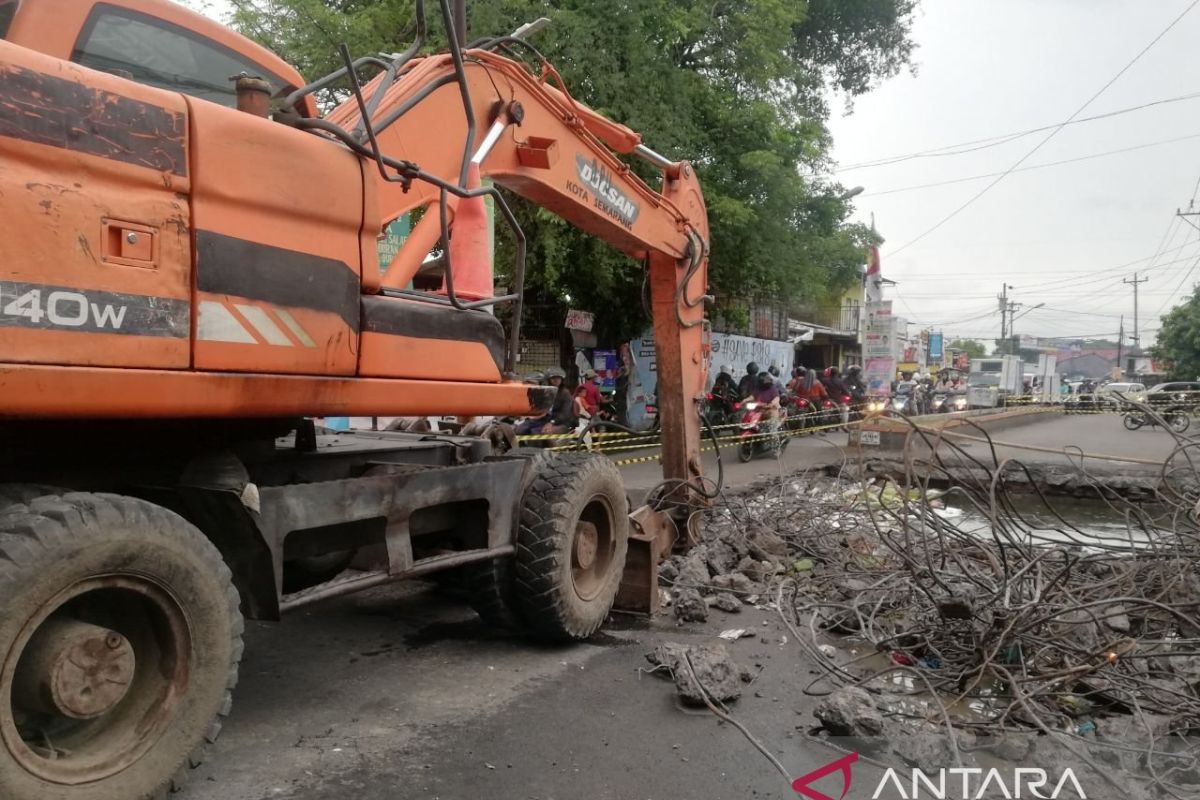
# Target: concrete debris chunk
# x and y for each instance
(713, 666)
(690, 606)
(727, 602)
(850, 711)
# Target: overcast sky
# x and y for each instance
(1062, 234)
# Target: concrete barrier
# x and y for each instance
(890, 433)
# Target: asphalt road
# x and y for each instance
(402, 693)
(399, 693)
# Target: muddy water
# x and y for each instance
(1091, 524)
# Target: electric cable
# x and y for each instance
(1054, 132)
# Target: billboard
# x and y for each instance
(935, 348)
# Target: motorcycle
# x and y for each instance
(1176, 418)
(831, 413)
(948, 402)
(721, 409)
(755, 438)
(802, 413)
(905, 401)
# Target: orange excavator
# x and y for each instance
(190, 275)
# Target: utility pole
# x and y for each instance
(1120, 338)
(1004, 312)
(1137, 341)
(1012, 327)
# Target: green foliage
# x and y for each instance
(1178, 345)
(973, 347)
(736, 86)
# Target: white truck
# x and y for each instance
(992, 380)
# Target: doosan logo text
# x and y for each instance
(609, 198)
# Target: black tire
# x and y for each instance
(1134, 421)
(309, 571)
(160, 597)
(488, 585)
(1178, 421)
(22, 493)
(745, 452)
(571, 545)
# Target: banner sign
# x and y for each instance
(935, 348)
(580, 321)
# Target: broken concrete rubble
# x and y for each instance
(727, 602)
(712, 665)
(850, 711)
(690, 606)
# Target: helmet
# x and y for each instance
(854, 370)
(773, 370)
(589, 374)
(752, 368)
(556, 372)
(832, 372)
(535, 378)
(725, 370)
(765, 380)
(906, 376)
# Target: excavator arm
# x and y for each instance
(437, 126)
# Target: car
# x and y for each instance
(1112, 394)
(1175, 392)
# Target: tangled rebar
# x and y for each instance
(982, 605)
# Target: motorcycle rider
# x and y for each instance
(724, 385)
(749, 380)
(587, 396)
(836, 387)
(855, 385)
(766, 394)
(914, 389)
(561, 417)
(834, 384)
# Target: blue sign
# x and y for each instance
(935, 347)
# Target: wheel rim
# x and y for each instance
(593, 548)
(94, 678)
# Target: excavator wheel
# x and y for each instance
(488, 585)
(21, 493)
(119, 648)
(574, 532)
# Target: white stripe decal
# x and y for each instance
(217, 324)
(294, 327)
(263, 324)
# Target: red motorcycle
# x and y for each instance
(757, 436)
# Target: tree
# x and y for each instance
(736, 86)
(1178, 345)
(973, 347)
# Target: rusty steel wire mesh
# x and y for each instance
(976, 595)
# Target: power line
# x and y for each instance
(1032, 167)
(1054, 132)
(995, 141)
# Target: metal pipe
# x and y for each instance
(460, 21)
(655, 158)
(370, 579)
(489, 141)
